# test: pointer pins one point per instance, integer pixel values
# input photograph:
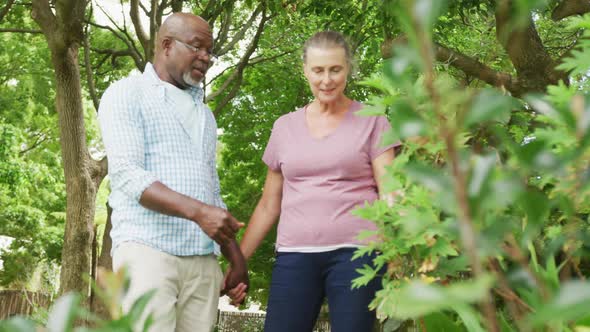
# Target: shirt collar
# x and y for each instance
(151, 76)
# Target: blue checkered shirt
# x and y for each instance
(146, 141)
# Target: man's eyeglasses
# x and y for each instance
(199, 50)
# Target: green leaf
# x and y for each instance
(389, 137)
(451, 266)
(367, 274)
(504, 324)
(428, 11)
(583, 122)
(404, 58)
(138, 307)
(490, 105)
(571, 302)
(537, 155)
(505, 191)
(560, 115)
(470, 318)
(149, 321)
(585, 321)
(17, 324)
(405, 121)
(372, 110)
(362, 251)
(441, 322)
(417, 298)
(432, 178)
(483, 166)
(536, 206)
(376, 81)
(63, 313)
(443, 247)
(577, 63)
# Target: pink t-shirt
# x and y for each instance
(324, 179)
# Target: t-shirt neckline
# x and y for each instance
(335, 131)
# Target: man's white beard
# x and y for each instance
(188, 79)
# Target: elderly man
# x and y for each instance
(169, 221)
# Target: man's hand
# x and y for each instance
(218, 224)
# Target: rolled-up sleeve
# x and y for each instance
(123, 137)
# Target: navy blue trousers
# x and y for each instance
(301, 281)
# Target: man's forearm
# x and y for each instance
(216, 222)
(159, 198)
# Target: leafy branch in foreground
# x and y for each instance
(489, 230)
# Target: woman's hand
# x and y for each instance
(238, 293)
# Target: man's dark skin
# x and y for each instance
(183, 68)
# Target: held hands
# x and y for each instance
(218, 224)
(235, 282)
(235, 285)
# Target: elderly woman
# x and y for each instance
(323, 161)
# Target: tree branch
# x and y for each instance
(43, 15)
(223, 31)
(149, 51)
(133, 51)
(40, 139)
(210, 11)
(17, 30)
(98, 170)
(534, 66)
(236, 78)
(468, 65)
(161, 8)
(251, 62)
(240, 34)
(139, 31)
(112, 52)
(89, 75)
(6, 9)
(146, 12)
(475, 68)
(259, 59)
(71, 13)
(567, 8)
(88, 69)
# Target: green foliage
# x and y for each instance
(578, 62)
(32, 190)
(477, 191)
(67, 312)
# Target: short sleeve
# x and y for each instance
(380, 127)
(271, 153)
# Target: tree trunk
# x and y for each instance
(80, 186)
(105, 261)
(62, 24)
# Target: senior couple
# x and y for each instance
(170, 223)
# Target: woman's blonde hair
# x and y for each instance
(328, 39)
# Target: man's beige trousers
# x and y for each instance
(187, 288)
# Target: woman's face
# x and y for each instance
(326, 70)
